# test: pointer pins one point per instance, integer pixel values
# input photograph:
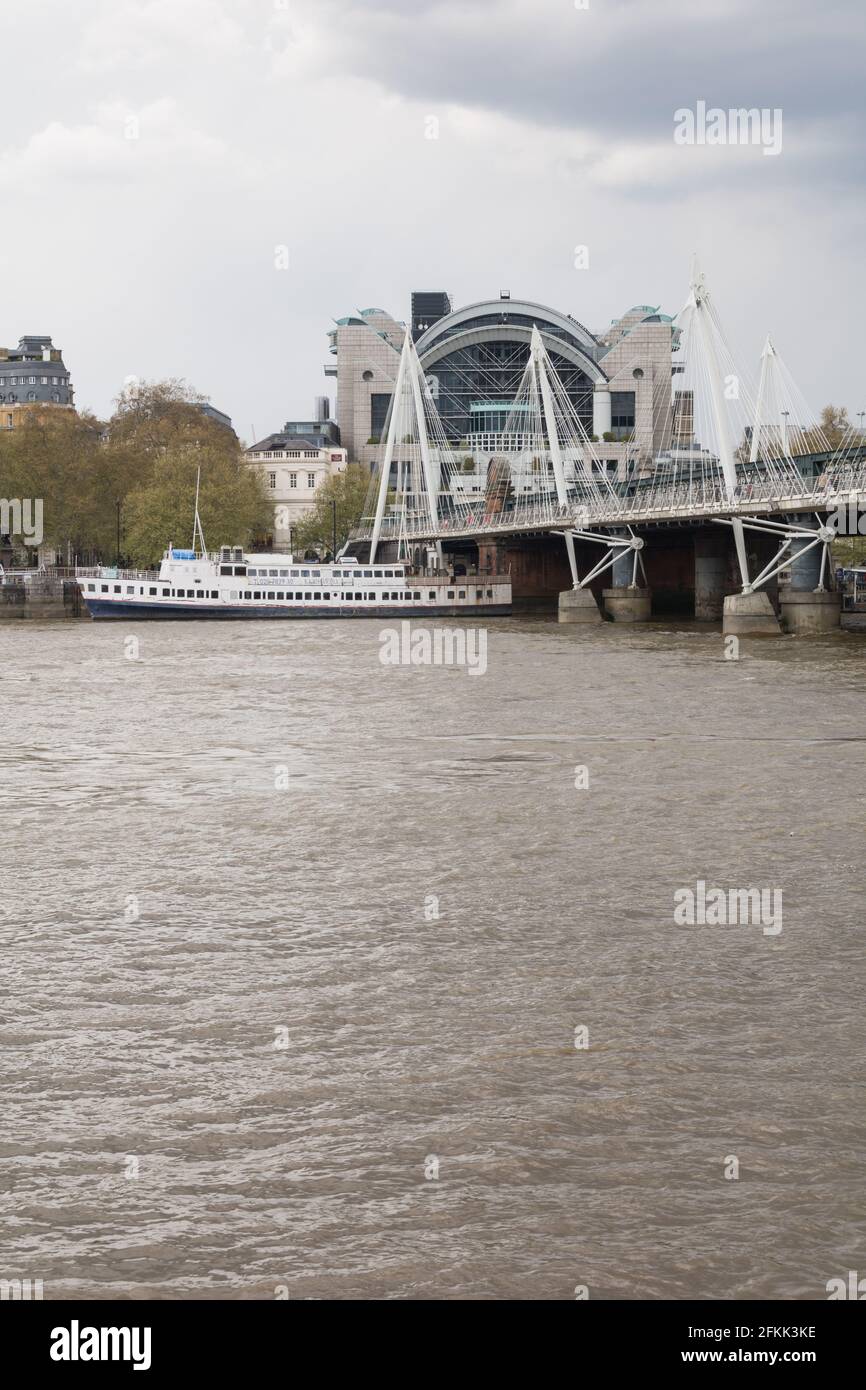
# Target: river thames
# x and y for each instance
(329, 979)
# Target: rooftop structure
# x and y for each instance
(33, 374)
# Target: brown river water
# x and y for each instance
(298, 951)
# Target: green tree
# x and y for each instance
(349, 490)
(232, 502)
(57, 455)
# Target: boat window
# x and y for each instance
(461, 593)
(387, 574)
(274, 572)
(103, 588)
(294, 574)
(240, 569)
(247, 594)
(257, 593)
(91, 588)
(166, 592)
(432, 593)
(368, 574)
(117, 588)
(450, 593)
(305, 574)
(130, 588)
(357, 596)
(233, 593)
(214, 593)
(479, 593)
(225, 569)
(489, 593)
(326, 595)
(279, 595)
(416, 594)
(152, 590)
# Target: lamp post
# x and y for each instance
(117, 533)
(334, 512)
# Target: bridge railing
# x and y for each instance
(701, 497)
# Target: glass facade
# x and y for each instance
(477, 373)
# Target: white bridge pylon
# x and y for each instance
(415, 442)
(560, 433)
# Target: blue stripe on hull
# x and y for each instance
(102, 610)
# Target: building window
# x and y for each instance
(379, 402)
(622, 409)
(272, 480)
(293, 480)
(311, 480)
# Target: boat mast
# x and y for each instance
(196, 525)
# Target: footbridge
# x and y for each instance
(744, 461)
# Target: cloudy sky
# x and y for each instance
(155, 154)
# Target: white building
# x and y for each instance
(293, 467)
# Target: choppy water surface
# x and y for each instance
(287, 1035)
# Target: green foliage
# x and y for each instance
(349, 490)
(145, 459)
(232, 504)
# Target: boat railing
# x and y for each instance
(111, 572)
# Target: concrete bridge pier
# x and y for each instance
(711, 576)
(807, 608)
(578, 606)
(625, 602)
(750, 615)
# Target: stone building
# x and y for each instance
(474, 357)
(293, 463)
(32, 376)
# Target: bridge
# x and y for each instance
(723, 456)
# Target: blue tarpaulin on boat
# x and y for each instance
(183, 554)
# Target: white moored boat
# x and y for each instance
(234, 584)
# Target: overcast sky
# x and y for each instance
(305, 124)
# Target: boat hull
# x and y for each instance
(102, 610)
